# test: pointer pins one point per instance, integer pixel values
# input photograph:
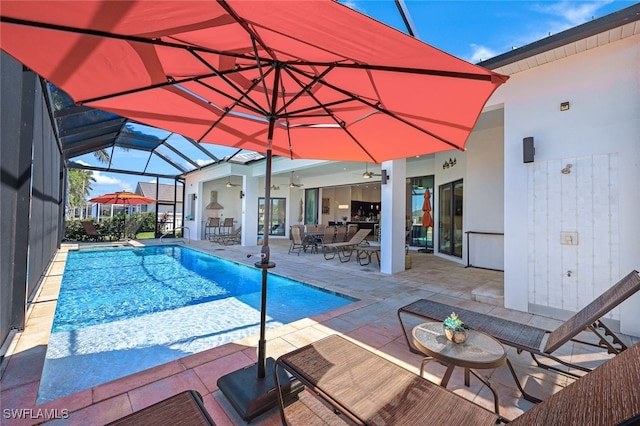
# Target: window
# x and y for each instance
(311, 206)
(277, 216)
(419, 236)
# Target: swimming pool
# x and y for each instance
(121, 311)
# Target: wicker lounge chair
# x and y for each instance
(234, 237)
(91, 231)
(531, 339)
(369, 389)
(345, 249)
(606, 396)
(296, 241)
(184, 408)
(132, 228)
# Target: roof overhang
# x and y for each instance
(608, 29)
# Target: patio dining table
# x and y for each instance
(312, 239)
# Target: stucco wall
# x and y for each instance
(600, 136)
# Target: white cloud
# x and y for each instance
(561, 16)
(353, 5)
(107, 180)
(572, 13)
(481, 53)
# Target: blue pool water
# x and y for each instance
(126, 310)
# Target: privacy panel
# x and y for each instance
(31, 191)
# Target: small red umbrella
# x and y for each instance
(427, 219)
(122, 197)
(125, 198)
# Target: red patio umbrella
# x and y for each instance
(122, 197)
(303, 79)
(125, 198)
(427, 219)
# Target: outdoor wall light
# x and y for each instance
(343, 206)
(450, 163)
(385, 177)
(241, 194)
(564, 106)
(567, 169)
(528, 150)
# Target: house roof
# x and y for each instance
(165, 191)
(598, 32)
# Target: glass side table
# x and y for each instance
(479, 351)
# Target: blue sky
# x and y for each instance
(479, 30)
(470, 30)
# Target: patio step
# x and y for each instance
(491, 294)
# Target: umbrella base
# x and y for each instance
(251, 396)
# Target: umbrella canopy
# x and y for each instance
(427, 219)
(125, 198)
(303, 79)
(315, 78)
(122, 197)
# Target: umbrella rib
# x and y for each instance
(105, 34)
(377, 107)
(329, 113)
(264, 84)
(243, 23)
(159, 42)
(304, 88)
(257, 108)
(288, 125)
(228, 110)
(408, 70)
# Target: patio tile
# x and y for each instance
(210, 372)
(164, 388)
(98, 414)
(136, 380)
(370, 322)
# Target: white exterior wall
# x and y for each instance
(600, 199)
(484, 198)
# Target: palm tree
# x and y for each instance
(79, 188)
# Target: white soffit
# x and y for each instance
(598, 40)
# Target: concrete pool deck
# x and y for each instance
(370, 322)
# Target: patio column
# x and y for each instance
(250, 211)
(393, 217)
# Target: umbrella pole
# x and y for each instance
(251, 390)
(426, 248)
(264, 264)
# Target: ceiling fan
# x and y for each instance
(292, 184)
(229, 184)
(367, 174)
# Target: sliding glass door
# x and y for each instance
(450, 218)
(277, 216)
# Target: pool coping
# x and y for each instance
(38, 330)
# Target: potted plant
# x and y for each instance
(455, 329)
